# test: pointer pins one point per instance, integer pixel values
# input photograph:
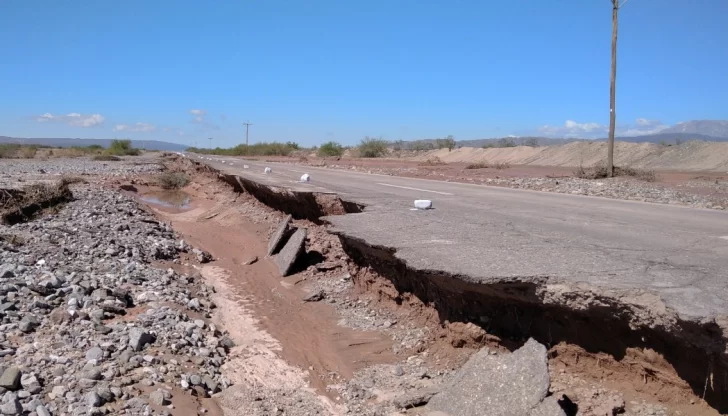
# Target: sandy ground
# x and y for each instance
(302, 358)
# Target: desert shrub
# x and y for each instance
(371, 147)
(486, 165)
(8, 150)
(600, 171)
(256, 149)
(478, 165)
(106, 158)
(173, 180)
(27, 152)
(122, 148)
(331, 149)
(433, 161)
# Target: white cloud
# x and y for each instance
(199, 115)
(572, 129)
(138, 127)
(642, 127)
(73, 119)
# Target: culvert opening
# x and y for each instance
(693, 351)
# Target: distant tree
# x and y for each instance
(397, 145)
(678, 142)
(446, 143)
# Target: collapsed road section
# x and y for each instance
(517, 274)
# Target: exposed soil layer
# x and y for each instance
(689, 355)
(21, 205)
(301, 205)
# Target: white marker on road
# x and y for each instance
(414, 189)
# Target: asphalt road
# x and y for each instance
(487, 234)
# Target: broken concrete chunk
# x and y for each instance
(277, 236)
(10, 379)
(290, 252)
(423, 204)
(314, 296)
(415, 398)
(138, 338)
(512, 384)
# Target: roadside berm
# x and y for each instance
(631, 341)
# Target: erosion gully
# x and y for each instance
(683, 369)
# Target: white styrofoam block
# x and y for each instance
(423, 204)
(267, 170)
(305, 177)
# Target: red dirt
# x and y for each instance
(311, 339)
(308, 332)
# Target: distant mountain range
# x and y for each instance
(706, 130)
(65, 142)
(714, 128)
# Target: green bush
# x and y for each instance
(256, 149)
(122, 148)
(331, 149)
(173, 180)
(371, 147)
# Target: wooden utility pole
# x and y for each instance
(247, 125)
(210, 139)
(613, 88)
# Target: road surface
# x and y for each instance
(487, 234)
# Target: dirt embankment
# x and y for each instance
(690, 156)
(590, 353)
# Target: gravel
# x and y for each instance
(86, 319)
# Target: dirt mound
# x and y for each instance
(690, 156)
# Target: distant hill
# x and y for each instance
(714, 128)
(670, 138)
(67, 142)
(705, 130)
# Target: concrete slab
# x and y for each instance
(498, 385)
(290, 252)
(275, 239)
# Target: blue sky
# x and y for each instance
(318, 70)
